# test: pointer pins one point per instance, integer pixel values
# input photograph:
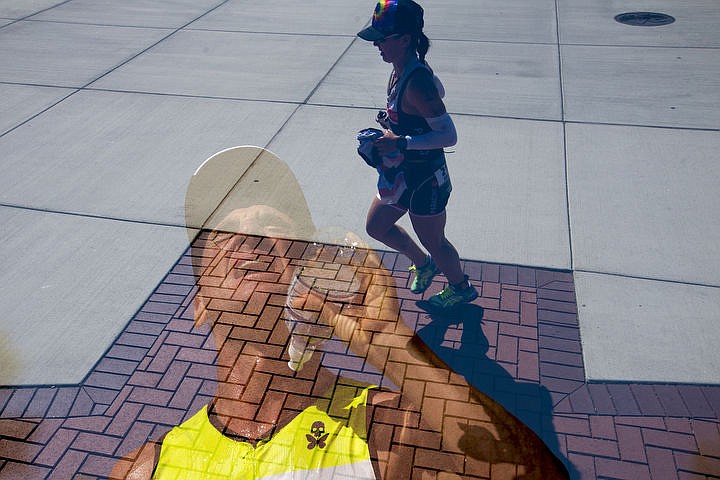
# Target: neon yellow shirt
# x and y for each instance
(313, 446)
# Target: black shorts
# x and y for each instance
(430, 197)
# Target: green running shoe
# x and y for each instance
(449, 297)
(423, 276)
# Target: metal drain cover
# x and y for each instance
(644, 19)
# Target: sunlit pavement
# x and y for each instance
(585, 193)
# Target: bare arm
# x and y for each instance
(436, 408)
(422, 99)
(138, 464)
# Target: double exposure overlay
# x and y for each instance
(277, 348)
(480, 249)
(319, 372)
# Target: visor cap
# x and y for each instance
(393, 17)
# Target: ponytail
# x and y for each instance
(423, 45)
(422, 42)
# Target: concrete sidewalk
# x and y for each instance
(585, 146)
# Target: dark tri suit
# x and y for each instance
(426, 175)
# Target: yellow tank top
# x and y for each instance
(313, 446)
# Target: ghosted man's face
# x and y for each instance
(317, 292)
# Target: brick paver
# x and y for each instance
(518, 343)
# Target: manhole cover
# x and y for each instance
(645, 19)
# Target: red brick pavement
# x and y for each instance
(525, 354)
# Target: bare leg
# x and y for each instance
(431, 232)
(381, 225)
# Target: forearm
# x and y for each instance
(441, 135)
(138, 465)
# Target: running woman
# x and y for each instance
(419, 127)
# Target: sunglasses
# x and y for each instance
(394, 35)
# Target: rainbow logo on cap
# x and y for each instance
(384, 15)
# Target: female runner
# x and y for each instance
(419, 127)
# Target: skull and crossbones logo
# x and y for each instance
(317, 436)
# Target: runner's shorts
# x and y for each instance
(431, 196)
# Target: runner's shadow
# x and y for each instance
(529, 402)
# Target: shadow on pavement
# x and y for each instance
(528, 402)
